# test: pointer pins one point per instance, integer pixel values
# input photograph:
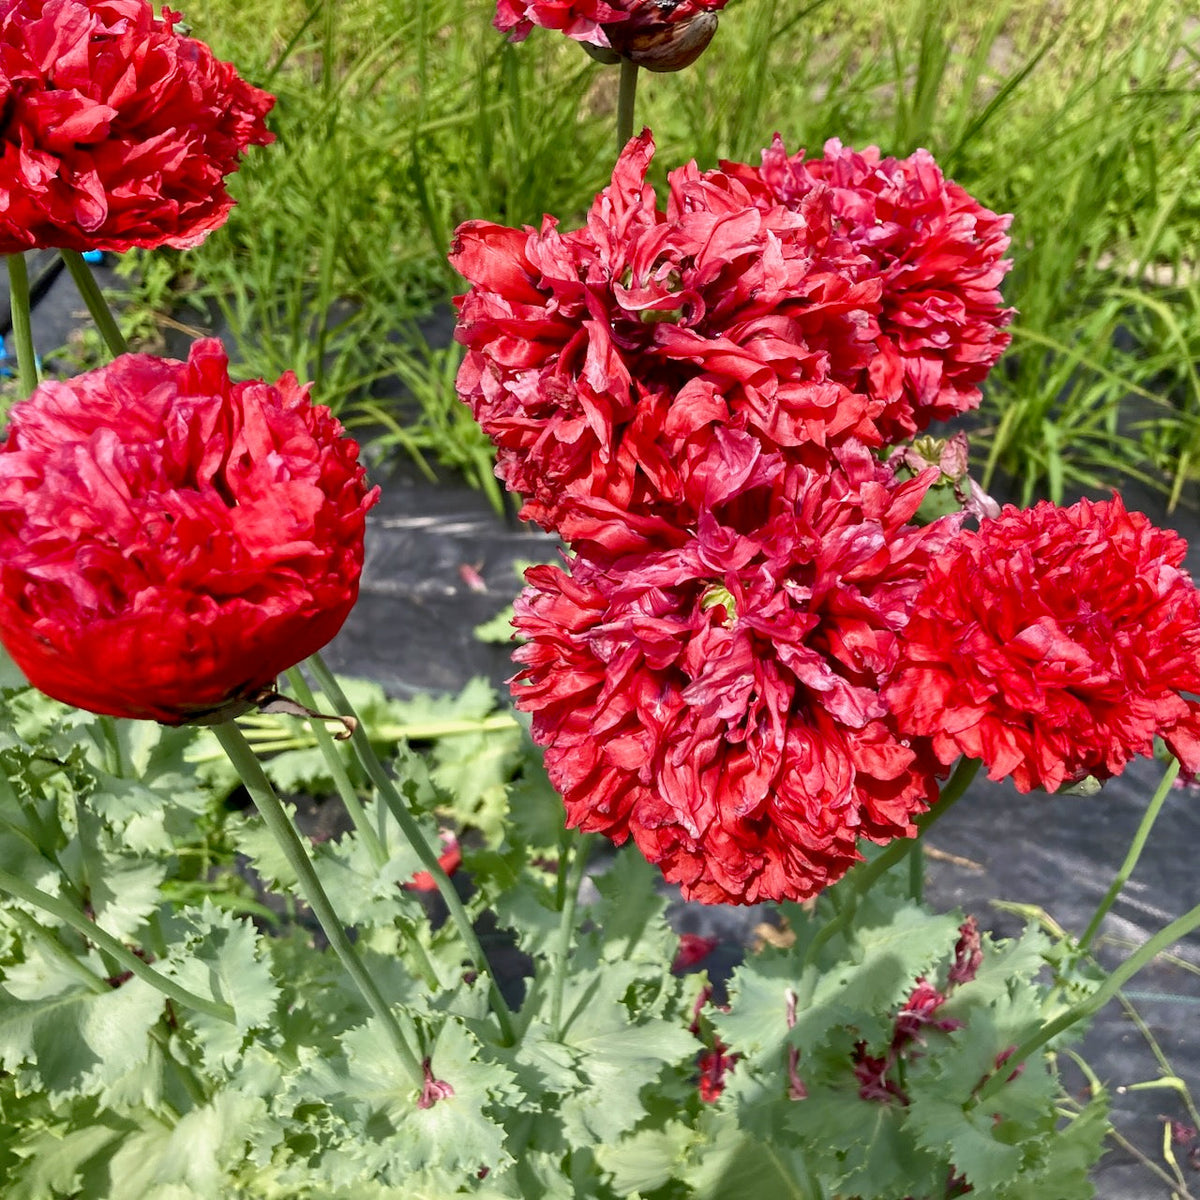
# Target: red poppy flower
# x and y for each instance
(663, 35)
(761, 317)
(1054, 644)
(115, 131)
(171, 541)
(719, 701)
(653, 359)
(939, 256)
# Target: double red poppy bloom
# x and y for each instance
(115, 130)
(651, 362)
(1053, 644)
(719, 700)
(171, 541)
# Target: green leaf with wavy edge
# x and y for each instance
(214, 953)
(73, 1040)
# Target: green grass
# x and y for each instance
(397, 119)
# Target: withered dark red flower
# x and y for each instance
(719, 701)
(171, 541)
(939, 255)
(115, 130)
(663, 35)
(1053, 644)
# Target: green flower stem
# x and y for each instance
(1135, 852)
(626, 95)
(22, 326)
(93, 297)
(862, 878)
(276, 820)
(337, 769)
(566, 927)
(20, 890)
(265, 733)
(916, 872)
(416, 839)
(1145, 953)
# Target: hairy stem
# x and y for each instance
(417, 840)
(22, 325)
(97, 306)
(1131, 858)
(276, 820)
(337, 769)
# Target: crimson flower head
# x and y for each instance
(666, 356)
(115, 130)
(655, 360)
(719, 701)
(939, 256)
(171, 541)
(662, 35)
(1053, 644)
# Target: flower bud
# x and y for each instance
(669, 46)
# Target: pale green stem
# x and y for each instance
(97, 306)
(337, 769)
(1165, 937)
(417, 840)
(276, 820)
(566, 927)
(916, 872)
(1135, 852)
(128, 961)
(349, 794)
(863, 877)
(22, 325)
(626, 95)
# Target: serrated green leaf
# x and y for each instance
(1071, 1153)
(728, 1164)
(125, 892)
(526, 906)
(617, 1055)
(54, 1159)
(535, 809)
(219, 955)
(887, 960)
(497, 629)
(77, 1040)
(453, 1134)
(627, 922)
(987, 1143)
(192, 1160)
(646, 1159)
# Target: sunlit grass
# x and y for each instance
(397, 119)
